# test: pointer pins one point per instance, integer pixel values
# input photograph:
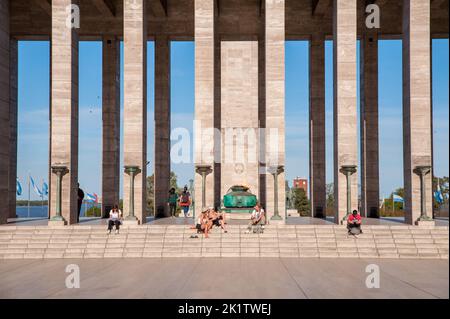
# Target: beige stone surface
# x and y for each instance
(345, 120)
(135, 104)
(239, 115)
(302, 241)
(417, 132)
(204, 97)
(275, 101)
(64, 110)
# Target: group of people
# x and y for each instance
(212, 217)
(207, 220)
(183, 199)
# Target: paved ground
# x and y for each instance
(225, 278)
(190, 221)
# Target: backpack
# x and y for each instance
(185, 198)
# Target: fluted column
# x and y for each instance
(135, 104)
(13, 109)
(204, 99)
(317, 165)
(416, 105)
(4, 110)
(64, 110)
(111, 124)
(370, 179)
(345, 95)
(275, 104)
(162, 125)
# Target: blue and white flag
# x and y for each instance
(45, 189)
(91, 198)
(398, 199)
(36, 189)
(18, 188)
(439, 198)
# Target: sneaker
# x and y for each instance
(117, 231)
(108, 232)
(247, 232)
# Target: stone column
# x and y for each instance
(345, 95)
(162, 125)
(317, 164)
(204, 98)
(416, 104)
(370, 179)
(135, 103)
(275, 102)
(4, 110)
(13, 108)
(111, 124)
(64, 110)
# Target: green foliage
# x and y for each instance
(94, 212)
(301, 201)
(330, 199)
(387, 210)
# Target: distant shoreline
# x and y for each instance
(24, 203)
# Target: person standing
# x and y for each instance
(185, 201)
(80, 201)
(172, 202)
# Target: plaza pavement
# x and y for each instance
(205, 278)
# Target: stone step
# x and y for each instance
(300, 241)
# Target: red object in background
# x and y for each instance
(301, 183)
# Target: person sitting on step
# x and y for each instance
(354, 223)
(217, 219)
(115, 216)
(203, 224)
(257, 220)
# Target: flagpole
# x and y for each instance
(42, 196)
(29, 195)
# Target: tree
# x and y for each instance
(330, 195)
(301, 202)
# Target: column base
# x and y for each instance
(425, 222)
(130, 222)
(55, 222)
(276, 220)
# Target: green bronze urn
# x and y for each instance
(239, 196)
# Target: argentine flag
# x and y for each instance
(45, 189)
(36, 189)
(91, 198)
(438, 195)
(398, 199)
(18, 188)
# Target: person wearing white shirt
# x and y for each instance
(115, 216)
(257, 218)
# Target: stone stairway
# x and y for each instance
(155, 241)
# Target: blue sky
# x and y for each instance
(34, 110)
